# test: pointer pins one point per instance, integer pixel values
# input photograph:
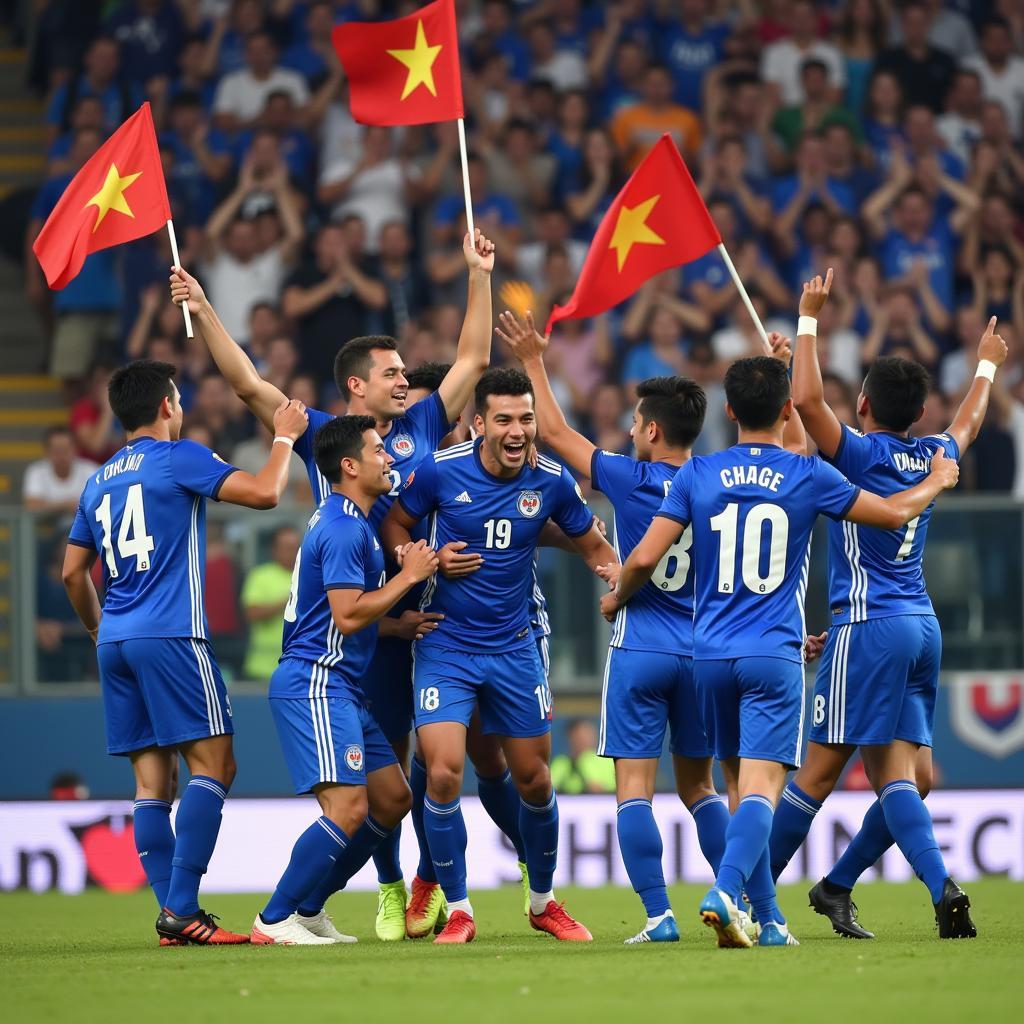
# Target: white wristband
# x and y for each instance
(280, 439)
(987, 369)
(807, 325)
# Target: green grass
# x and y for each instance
(94, 958)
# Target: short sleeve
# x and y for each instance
(676, 505)
(834, 495)
(197, 469)
(419, 495)
(572, 515)
(854, 454)
(343, 558)
(304, 450)
(80, 534)
(946, 442)
(430, 417)
(613, 475)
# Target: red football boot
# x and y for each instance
(460, 928)
(555, 921)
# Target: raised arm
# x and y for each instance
(969, 417)
(898, 509)
(262, 397)
(641, 563)
(528, 347)
(794, 437)
(808, 390)
(264, 489)
(78, 583)
(474, 352)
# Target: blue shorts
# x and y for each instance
(511, 689)
(643, 692)
(387, 686)
(544, 653)
(878, 681)
(328, 739)
(753, 708)
(161, 692)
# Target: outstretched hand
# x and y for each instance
(815, 294)
(479, 252)
(525, 340)
(185, 288)
(782, 348)
(992, 347)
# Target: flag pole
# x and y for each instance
(744, 296)
(177, 262)
(465, 182)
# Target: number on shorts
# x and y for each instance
(819, 709)
(430, 699)
(543, 694)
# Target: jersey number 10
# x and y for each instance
(132, 539)
(726, 523)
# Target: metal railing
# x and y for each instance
(974, 565)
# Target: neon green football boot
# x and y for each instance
(390, 925)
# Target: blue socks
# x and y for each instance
(313, 857)
(386, 859)
(360, 847)
(866, 847)
(500, 800)
(760, 889)
(711, 818)
(746, 840)
(641, 848)
(418, 785)
(792, 822)
(195, 827)
(911, 826)
(154, 841)
(446, 838)
(538, 825)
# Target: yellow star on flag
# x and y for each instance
(420, 62)
(111, 195)
(631, 229)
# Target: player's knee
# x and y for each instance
(534, 784)
(444, 782)
(348, 813)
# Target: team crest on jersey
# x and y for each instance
(354, 758)
(403, 445)
(529, 504)
(987, 711)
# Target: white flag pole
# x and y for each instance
(465, 182)
(744, 296)
(177, 262)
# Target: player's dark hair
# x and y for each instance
(676, 404)
(501, 380)
(896, 390)
(340, 438)
(756, 390)
(428, 376)
(135, 391)
(355, 358)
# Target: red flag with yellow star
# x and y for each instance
(657, 221)
(118, 195)
(404, 71)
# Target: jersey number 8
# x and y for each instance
(676, 559)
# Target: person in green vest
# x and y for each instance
(264, 596)
(581, 770)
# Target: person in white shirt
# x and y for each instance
(55, 482)
(782, 61)
(960, 125)
(242, 95)
(1000, 71)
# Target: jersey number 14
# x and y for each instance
(133, 540)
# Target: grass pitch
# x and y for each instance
(94, 958)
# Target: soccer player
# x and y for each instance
(648, 682)
(751, 509)
(370, 376)
(877, 683)
(485, 493)
(334, 747)
(145, 512)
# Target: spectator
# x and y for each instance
(960, 125)
(265, 324)
(924, 71)
(581, 770)
(519, 170)
(216, 408)
(662, 354)
(580, 357)
(744, 106)
(781, 61)
(996, 287)
(606, 420)
(948, 30)
(691, 47)
(408, 294)
(220, 595)
(897, 330)
(883, 119)
(192, 74)
(816, 111)
(281, 362)
(242, 95)
(595, 184)
(924, 145)
(252, 454)
(97, 434)
(64, 651)
(553, 229)
(87, 116)
(842, 399)
(265, 593)
(958, 366)
(843, 163)
(725, 178)
(563, 67)
(150, 34)
(1001, 71)
(281, 121)
(637, 128)
(312, 53)
(862, 34)
(54, 483)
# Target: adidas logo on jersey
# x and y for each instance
(464, 498)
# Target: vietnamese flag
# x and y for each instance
(657, 221)
(404, 71)
(118, 195)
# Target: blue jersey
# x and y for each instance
(752, 509)
(875, 573)
(339, 552)
(500, 518)
(660, 615)
(144, 510)
(411, 438)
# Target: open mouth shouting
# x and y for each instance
(514, 450)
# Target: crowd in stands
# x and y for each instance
(882, 139)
